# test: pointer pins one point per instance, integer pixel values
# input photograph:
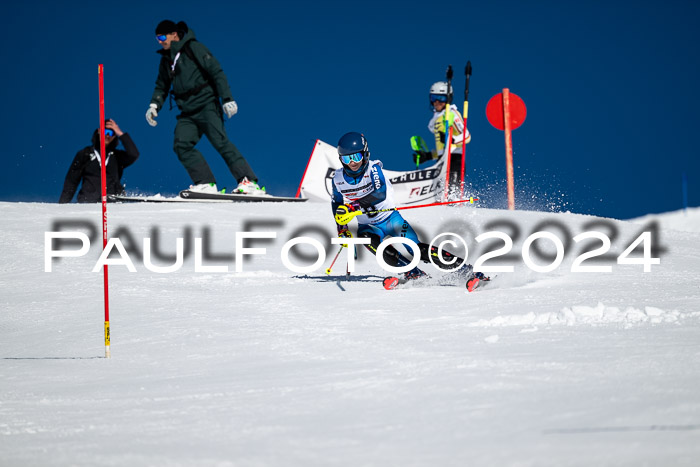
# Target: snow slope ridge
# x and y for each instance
(687, 221)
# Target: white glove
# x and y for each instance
(151, 114)
(230, 108)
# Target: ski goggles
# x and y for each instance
(347, 158)
(109, 132)
(438, 98)
(161, 37)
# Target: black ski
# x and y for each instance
(198, 196)
(144, 199)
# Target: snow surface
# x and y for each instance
(270, 367)
(685, 220)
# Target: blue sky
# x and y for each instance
(609, 86)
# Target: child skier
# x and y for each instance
(361, 186)
(440, 98)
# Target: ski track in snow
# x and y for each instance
(271, 367)
(598, 315)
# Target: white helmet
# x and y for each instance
(441, 89)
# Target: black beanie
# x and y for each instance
(166, 27)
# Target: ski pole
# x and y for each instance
(418, 145)
(468, 74)
(414, 144)
(448, 131)
(328, 271)
(343, 215)
(416, 148)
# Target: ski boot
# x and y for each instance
(414, 274)
(476, 280)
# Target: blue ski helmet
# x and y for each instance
(353, 143)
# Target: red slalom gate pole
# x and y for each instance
(448, 158)
(101, 75)
(506, 111)
(509, 149)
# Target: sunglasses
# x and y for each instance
(109, 132)
(346, 159)
(161, 37)
(438, 98)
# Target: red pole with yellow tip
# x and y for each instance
(103, 164)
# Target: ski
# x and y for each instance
(198, 196)
(194, 197)
(480, 280)
(145, 199)
(393, 282)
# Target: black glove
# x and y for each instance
(424, 156)
(343, 230)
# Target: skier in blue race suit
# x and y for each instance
(361, 186)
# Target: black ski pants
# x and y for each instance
(209, 122)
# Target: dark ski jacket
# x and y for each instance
(86, 167)
(195, 75)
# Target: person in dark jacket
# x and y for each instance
(202, 93)
(87, 166)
